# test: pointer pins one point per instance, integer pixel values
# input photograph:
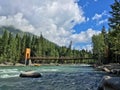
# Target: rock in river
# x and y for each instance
(30, 74)
(110, 83)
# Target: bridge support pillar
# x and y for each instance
(25, 62)
(28, 62)
(27, 56)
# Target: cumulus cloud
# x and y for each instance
(84, 36)
(54, 18)
(18, 21)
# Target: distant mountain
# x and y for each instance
(13, 30)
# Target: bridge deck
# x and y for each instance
(59, 58)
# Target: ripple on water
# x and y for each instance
(8, 73)
(53, 78)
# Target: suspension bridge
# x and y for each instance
(59, 60)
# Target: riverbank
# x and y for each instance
(37, 64)
(11, 64)
(112, 68)
(111, 82)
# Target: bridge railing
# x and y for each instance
(58, 58)
(61, 60)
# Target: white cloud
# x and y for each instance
(87, 19)
(103, 21)
(88, 47)
(18, 21)
(51, 31)
(54, 18)
(85, 47)
(95, 0)
(99, 16)
(0, 8)
(84, 36)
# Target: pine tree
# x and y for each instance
(18, 47)
(114, 20)
(1, 50)
(23, 46)
(98, 47)
(28, 41)
(43, 45)
(11, 53)
(38, 48)
(106, 49)
(4, 45)
(33, 46)
(114, 23)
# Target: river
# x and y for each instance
(63, 77)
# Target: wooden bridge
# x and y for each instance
(61, 60)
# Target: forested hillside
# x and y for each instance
(13, 43)
(106, 46)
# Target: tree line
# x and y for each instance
(106, 45)
(12, 48)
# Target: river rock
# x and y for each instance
(30, 74)
(115, 71)
(109, 83)
(106, 69)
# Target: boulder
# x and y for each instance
(30, 74)
(106, 69)
(109, 83)
(115, 71)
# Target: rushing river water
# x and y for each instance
(65, 77)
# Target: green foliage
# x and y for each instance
(18, 47)
(114, 20)
(114, 34)
(99, 47)
(106, 46)
(4, 45)
(12, 48)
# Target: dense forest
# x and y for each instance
(106, 45)
(13, 45)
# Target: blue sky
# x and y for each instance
(90, 8)
(60, 21)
